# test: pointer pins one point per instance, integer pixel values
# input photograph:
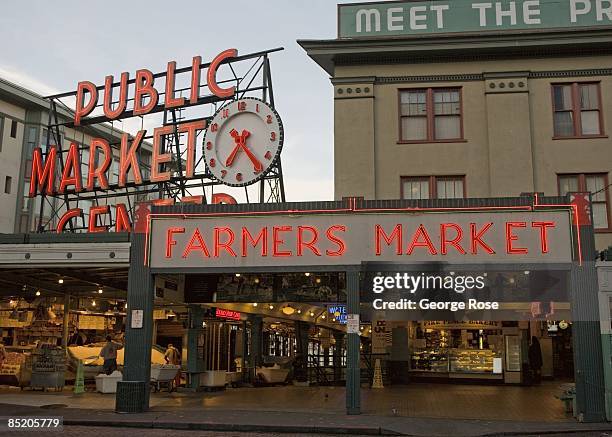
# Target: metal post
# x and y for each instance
(133, 391)
(66, 320)
(337, 358)
(353, 378)
(588, 359)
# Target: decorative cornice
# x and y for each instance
(383, 80)
(571, 73)
(430, 78)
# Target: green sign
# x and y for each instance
(404, 18)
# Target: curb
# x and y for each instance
(224, 427)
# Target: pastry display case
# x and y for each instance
(472, 360)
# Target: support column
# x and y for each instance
(337, 358)
(588, 358)
(195, 363)
(66, 320)
(255, 357)
(353, 377)
(133, 392)
(302, 329)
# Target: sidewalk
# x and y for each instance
(298, 422)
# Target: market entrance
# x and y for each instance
(520, 236)
(254, 329)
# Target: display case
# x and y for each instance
(472, 360)
(430, 360)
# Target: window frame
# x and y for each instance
(433, 186)
(429, 107)
(582, 187)
(576, 111)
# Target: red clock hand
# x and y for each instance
(232, 156)
(240, 140)
(257, 167)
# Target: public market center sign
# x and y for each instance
(301, 238)
(366, 20)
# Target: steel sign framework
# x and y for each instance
(248, 75)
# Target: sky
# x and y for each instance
(49, 46)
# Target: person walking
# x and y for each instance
(173, 356)
(109, 354)
(535, 360)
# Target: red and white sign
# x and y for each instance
(298, 238)
(227, 314)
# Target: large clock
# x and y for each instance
(243, 141)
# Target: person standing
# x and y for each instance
(2, 354)
(109, 354)
(173, 356)
(535, 359)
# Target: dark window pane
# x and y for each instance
(564, 124)
(563, 97)
(13, 129)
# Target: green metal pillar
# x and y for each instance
(256, 344)
(133, 392)
(337, 356)
(353, 378)
(195, 363)
(588, 359)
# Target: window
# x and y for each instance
(430, 115)
(596, 183)
(8, 182)
(577, 110)
(13, 128)
(433, 187)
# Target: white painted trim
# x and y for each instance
(56, 255)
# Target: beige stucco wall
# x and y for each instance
(508, 147)
(10, 157)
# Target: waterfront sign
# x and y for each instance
(311, 239)
(410, 18)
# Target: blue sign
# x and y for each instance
(338, 312)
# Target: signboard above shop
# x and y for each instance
(301, 238)
(413, 18)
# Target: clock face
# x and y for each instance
(243, 140)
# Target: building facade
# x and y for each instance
(24, 120)
(490, 114)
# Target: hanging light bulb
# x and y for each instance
(323, 316)
(311, 314)
(254, 304)
(125, 306)
(256, 280)
(307, 274)
(100, 290)
(60, 281)
(299, 311)
(237, 275)
(93, 303)
(37, 292)
(271, 307)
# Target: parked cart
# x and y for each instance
(163, 375)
